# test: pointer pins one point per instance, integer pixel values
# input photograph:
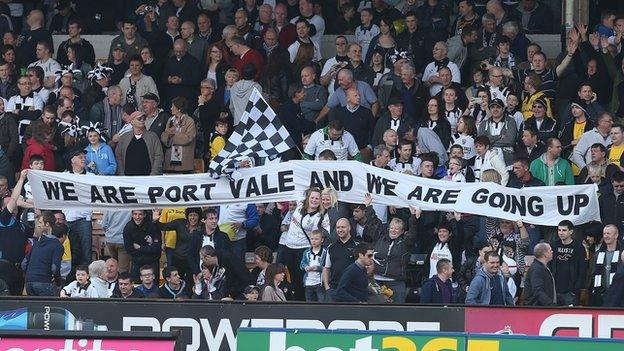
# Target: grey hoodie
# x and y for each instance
(479, 290)
(239, 97)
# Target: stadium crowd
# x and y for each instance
(439, 89)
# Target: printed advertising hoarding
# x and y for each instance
(68, 344)
(214, 326)
(318, 340)
(575, 322)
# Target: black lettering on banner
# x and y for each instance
(573, 204)
(154, 192)
(173, 193)
(450, 197)
(378, 184)
(264, 185)
(433, 195)
(337, 180)
(207, 188)
(127, 195)
(480, 196)
(111, 194)
(416, 193)
(95, 195)
(235, 187)
(252, 188)
(536, 208)
(285, 181)
(69, 193)
(188, 193)
(54, 190)
(315, 181)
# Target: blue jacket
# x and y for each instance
(353, 285)
(479, 291)
(431, 293)
(44, 261)
(104, 159)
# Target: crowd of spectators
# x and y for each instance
(438, 89)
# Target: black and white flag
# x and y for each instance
(258, 134)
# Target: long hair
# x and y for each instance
(304, 208)
(217, 45)
(305, 54)
(271, 271)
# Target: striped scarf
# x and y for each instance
(599, 269)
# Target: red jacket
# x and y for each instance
(45, 151)
(255, 58)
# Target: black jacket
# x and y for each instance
(221, 242)
(383, 124)
(611, 210)
(567, 135)
(615, 293)
(547, 130)
(373, 228)
(514, 182)
(295, 123)
(148, 236)
(539, 286)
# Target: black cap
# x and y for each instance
(62, 4)
(496, 101)
(249, 288)
(75, 152)
(542, 101)
(394, 100)
(151, 96)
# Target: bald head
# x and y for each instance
(343, 229)
(179, 48)
(35, 19)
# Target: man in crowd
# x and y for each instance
(568, 265)
(353, 284)
(340, 255)
(489, 286)
(540, 283)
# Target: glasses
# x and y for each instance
(538, 106)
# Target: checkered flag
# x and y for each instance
(259, 133)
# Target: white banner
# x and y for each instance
(287, 181)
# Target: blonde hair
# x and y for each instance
(397, 221)
(332, 195)
(490, 175)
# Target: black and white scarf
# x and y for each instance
(599, 268)
(505, 63)
(441, 63)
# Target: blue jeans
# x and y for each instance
(83, 230)
(40, 289)
(315, 293)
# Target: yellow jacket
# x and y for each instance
(527, 105)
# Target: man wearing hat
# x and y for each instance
(392, 119)
(129, 41)
(155, 118)
(139, 152)
(546, 127)
(390, 83)
(79, 221)
(501, 129)
(574, 128)
(586, 97)
(581, 155)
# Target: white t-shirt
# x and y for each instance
(342, 148)
(431, 70)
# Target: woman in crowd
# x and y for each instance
(179, 138)
(335, 210)
(308, 216)
(478, 107)
(216, 67)
(384, 41)
(435, 119)
(100, 156)
(275, 275)
(40, 144)
(79, 68)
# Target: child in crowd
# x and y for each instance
(251, 293)
(81, 287)
(513, 108)
(452, 112)
(218, 138)
(231, 77)
(26, 201)
(365, 32)
(209, 285)
(312, 264)
(454, 173)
